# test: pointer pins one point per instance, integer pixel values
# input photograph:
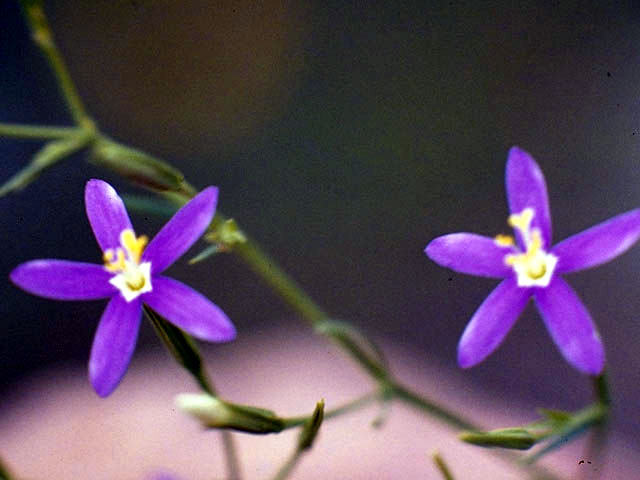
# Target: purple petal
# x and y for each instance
(491, 322)
(598, 244)
(469, 253)
(526, 188)
(114, 343)
(179, 233)
(106, 213)
(189, 310)
(63, 280)
(570, 326)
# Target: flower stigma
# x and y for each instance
(534, 267)
(132, 277)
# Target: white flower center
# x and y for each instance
(534, 267)
(132, 277)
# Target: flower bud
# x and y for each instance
(216, 413)
(515, 438)
(136, 166)
(311, 427)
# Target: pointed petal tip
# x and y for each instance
(96, 186)
(182, 230)
(103, 391)
(189, 310)
(465, 360)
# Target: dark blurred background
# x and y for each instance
(343, 136)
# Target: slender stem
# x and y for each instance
(43, 38)
(442, 466)
(286, 469)
(4, 472)
(601, 389)
(36, 132)
(596, 447)
(447, 416)
(228, 445)
(185, 352)
(268, 270)
(335, 412)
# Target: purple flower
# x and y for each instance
(531, 267)
(130, 276)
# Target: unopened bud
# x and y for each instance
(515, 438)
(311, 427)
(216, 413)
(136, 165)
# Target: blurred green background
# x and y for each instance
(343, 136)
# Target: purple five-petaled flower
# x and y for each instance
(531, 267)
(130, 276)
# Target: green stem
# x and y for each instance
(286, 469)
(268, 270)
(186, 353)
(351, 406)
(36, 132)
(601, 389)
(43, 38)
(446, 416)
(589, 416)
(596, 447)
(4, 472)
(442, 466)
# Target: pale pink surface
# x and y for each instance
(55, 426)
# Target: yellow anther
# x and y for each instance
(114, 265)
(134, 246)
(521, 221)
(504, 240)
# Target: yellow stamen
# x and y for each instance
(504, 240)
(535, 245)
(110, 264)
(521, 221)
(133, 245)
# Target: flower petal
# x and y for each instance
(106, 212)
(179, 233)
(491, 322)
(526, 188)
(469, 253)
(63, 280)
(570, 326)
(189, 310)
(113, 344)
(598, 244)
